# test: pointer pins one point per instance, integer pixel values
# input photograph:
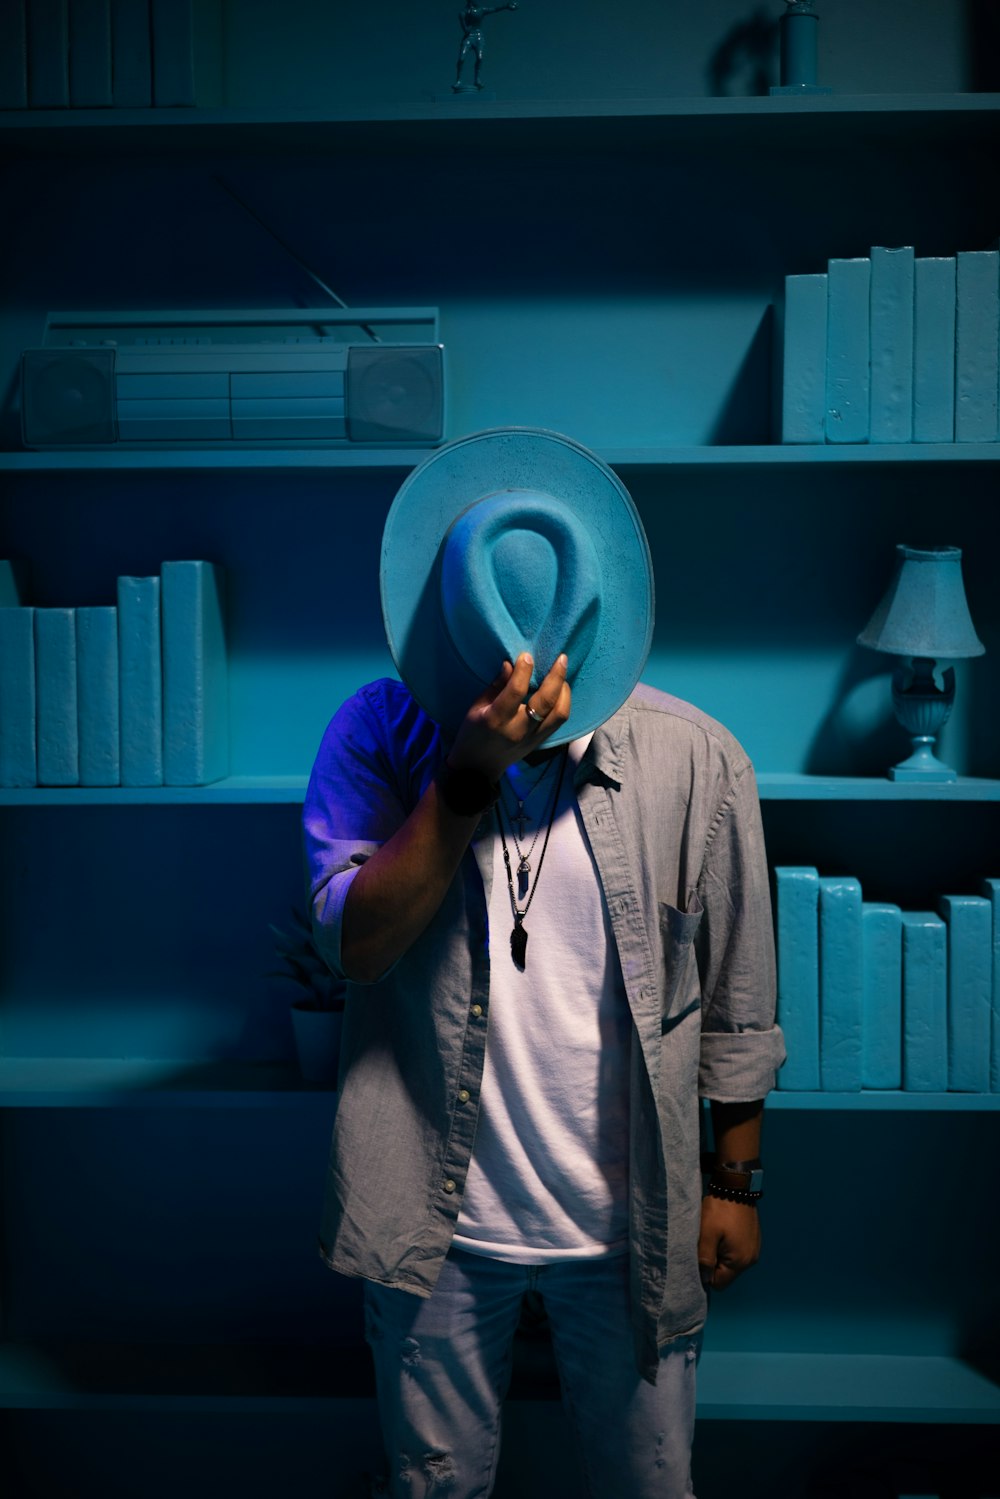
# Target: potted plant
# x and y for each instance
(318, 1002)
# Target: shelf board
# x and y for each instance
(142, 1082)
(290, 789)
(260, 1378)
(892, 1102)
(401, 460)
(156, 1377)
(231, 790)
(782, 786)
(844, 1387)
(207, 460)
(796, 121)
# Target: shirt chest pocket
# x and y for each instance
(681, 984)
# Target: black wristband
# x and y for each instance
(466, 792)
(734, 1181)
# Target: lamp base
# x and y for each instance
(923, 709)
(923, 764)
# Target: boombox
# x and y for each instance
(276, 378)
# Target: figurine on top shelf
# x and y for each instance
(471, 22)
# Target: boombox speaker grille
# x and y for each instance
(395, 394)
(68, 396)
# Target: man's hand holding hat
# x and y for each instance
(396, 892)
(508, 721)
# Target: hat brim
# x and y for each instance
(428, 502)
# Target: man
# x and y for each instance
(550, 898)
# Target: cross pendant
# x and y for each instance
(521, 818)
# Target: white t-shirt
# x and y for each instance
(548, 1178)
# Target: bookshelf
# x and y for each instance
(145, 1071)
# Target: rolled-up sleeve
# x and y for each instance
(741, 1045)
(356, 799)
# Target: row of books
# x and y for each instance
(96, 54)
(872, 996)
(892, 347)
(128, 694)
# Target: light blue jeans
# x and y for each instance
(442, 1366)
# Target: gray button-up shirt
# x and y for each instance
(669, 804)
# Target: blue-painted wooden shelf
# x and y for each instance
(844, 1387)
(893, 1102)
(318, 459)
(781, 786)
(259, 1379)
(768, 142)
(144, 1082)
(233, 790)
(851, 118)
(273, 790)
(149, 1082)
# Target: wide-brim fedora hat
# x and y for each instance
(508, 540)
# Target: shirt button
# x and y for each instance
(464, 1095)
(477, 1010)
(449, 1185)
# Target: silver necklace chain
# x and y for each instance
(521, 817)
(519, 934)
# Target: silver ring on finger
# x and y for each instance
(536, 718)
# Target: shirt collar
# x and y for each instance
(604, 757)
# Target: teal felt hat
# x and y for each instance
(516, 539)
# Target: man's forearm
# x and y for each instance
(396, 893)
(737, 1130)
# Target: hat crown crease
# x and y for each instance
(520, 572)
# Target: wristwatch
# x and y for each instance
(466, 791)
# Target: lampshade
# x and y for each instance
(923, 612)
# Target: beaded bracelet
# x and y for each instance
(731, 1194)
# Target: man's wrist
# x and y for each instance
(733, 1181)
(466, 791)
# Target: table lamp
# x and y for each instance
(923, 616)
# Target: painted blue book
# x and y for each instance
(925, 1002)
(140, 682)
(15, 583)
(991, 890)
(90, 54)
(173, 52)
(882, 1017)
(891, 399)
(18, 764)
(56, 697)
(131, 54)
(969, 919)
(797, 918)
(934, 349)
(841, 983)
(848, 342)
(48, 53)
(803, 386)
(97, 695)
(195, 686)
(13, 55)
(977, 332)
